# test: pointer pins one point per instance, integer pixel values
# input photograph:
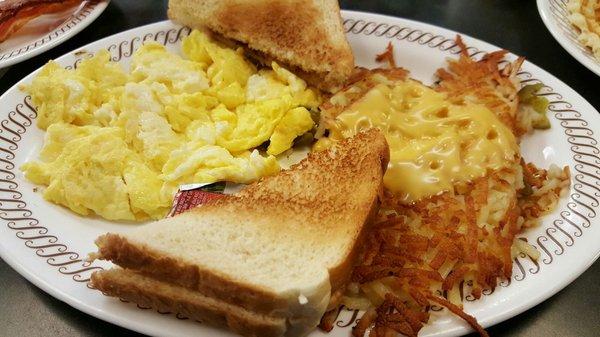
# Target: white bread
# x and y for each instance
(306, 36)
(279, 248)
(166, 297)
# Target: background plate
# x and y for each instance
(47, 244)
(554, 14)
(48, 31)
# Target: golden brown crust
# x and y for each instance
(164, 297)
(291, 25)
(120, 251)
(324, 201)
(340, 275)
(270, 196)
(296, 33)
(329, 82)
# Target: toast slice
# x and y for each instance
(282, 248)
(306, 36)
(166, 297)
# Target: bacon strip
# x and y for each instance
(14, 14)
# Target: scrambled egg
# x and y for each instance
(119, 143)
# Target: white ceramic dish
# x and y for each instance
(554, 13)
(47, 243)
(48, 31)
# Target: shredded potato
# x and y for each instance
(387, 56)
(484, 83)
(438, 250)
(360, 303)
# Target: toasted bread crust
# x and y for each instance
(254, 198)
(168, 298)
(297, 33)
(147, 261)
(329, 82)
(356, 160)
(309, 202)
(340, 275)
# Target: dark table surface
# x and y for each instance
(512, 24)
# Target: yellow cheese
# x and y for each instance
(433, 143)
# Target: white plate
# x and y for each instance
(46, 243)
(47, 31)
(554, 13)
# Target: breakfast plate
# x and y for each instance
(48, 244)
(554, 13)
(48, 31)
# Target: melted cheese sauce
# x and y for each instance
(434, 144)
